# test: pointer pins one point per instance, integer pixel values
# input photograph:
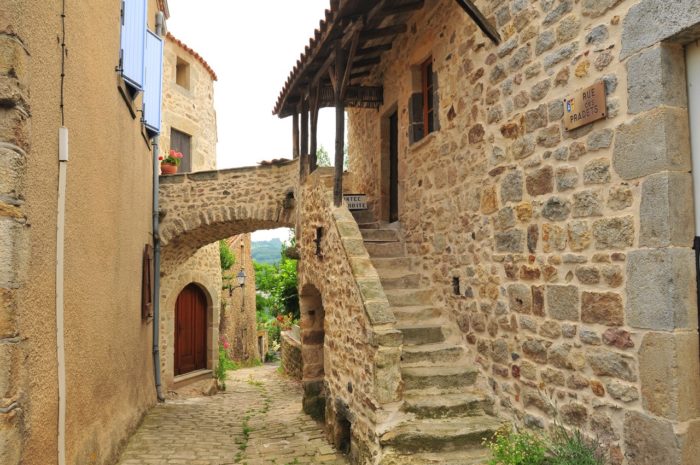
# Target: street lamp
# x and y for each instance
(240, 277)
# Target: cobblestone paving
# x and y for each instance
(257, 420)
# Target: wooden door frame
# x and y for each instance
(383, 209)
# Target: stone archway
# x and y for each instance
(312, 347)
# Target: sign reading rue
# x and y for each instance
(584, 107)
(356, 201)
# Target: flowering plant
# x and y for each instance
(173, 158)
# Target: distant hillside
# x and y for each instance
(267, 251)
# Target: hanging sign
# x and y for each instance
(584, 107)
(356, 201)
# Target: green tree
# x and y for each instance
(226, 256)
(323, 158)
(277, 286)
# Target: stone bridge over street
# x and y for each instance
(197, 209)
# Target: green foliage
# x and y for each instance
(573, 448)
(266, 251)
(277, 286)
(510, 447)
(226, 256)
(323, 158)
(225, 364)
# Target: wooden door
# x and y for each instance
(190, 330)
(394, 167)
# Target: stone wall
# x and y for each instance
(350, 348)
(572, 248)
(15, 134)
(189, 110)
(291, 355)
(238, 323)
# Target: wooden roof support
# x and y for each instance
(384, 31)
(348, 67)
(314, 97)
(374, 49)
(480, 20)
(304, 155)
(405, 8)
(295, 135)
(340, 62)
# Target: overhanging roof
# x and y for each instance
(368, 27)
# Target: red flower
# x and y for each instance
(160, 158)
(172, 152)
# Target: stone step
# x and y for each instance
(416, 312)
(432, 353)
(385, 249)
(430, 435)
(462, 457)
(421, 334)
(449, 405)
(384, 263)
(380, 235)
(362, 216)
(409, 297)
(399, 278)
(438, 377)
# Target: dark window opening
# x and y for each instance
(428, 89)
(182, 73)
(181, 142)
(455, 285)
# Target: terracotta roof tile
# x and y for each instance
(196, 55)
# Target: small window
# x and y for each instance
(182, 142)
(147, 283)
(423, 103)
(428, 91)
(182, 73)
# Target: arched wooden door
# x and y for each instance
(190, 330)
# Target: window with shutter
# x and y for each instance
(147, 283)
(181, 142)
(423, 103)
(133, 42)
(152, 96)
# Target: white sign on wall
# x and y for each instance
(356, 201)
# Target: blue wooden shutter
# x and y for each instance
(153, 94)
(133, 42)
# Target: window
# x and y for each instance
(182, 73)
(427, 89)
(181, 142)
(423, 104)
(147, 283)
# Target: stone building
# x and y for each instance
(238, 321)
(190, 292)
(75, 218)
(535, 273)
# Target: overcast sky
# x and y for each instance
(252, 47)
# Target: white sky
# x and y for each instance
(252, 46)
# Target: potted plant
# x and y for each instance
(169, 164)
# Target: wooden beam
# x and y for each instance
(295, 135)
(348, 66)
(367, 62)
(332, 76)
(340, 62)
(383, 32)
(360, 74)
(314, 128)
(480, 20)
(405, 8)
(304, 109)
(374, 49)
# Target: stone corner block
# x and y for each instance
(655, 141)
(661, 289)
(666, 212)
(379, 312)
(670, 374)
(656, 77)
(650, 441)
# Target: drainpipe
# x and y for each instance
(160, 26)
(60, 243)
(156, 275)
(692, 52)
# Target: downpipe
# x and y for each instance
(156, 275)
(692, 58)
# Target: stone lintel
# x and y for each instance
(661, 289)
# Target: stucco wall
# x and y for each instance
(572, 247)
(189, 110)
(108, 360)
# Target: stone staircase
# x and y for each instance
(444, 417)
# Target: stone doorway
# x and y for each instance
(312, 339)
(190, 330)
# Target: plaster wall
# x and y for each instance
(572, 248)
(108, 361)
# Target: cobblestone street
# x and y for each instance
(257, 420)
